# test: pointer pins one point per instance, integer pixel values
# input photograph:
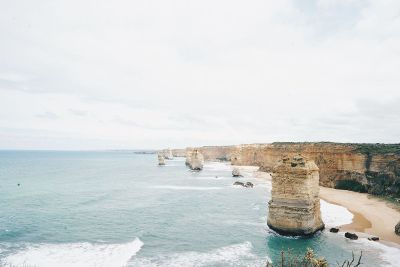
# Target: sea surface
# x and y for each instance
(118, 208)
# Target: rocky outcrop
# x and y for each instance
(195, 160)
(161, 160)
(397, 229)
(374, 167)
(247, 184)
(351, 236)
(236, 172)
(167, 153)
(295, 207)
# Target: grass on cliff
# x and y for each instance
(364, 148)
(378, 148)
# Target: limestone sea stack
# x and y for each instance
(161, 160)
(167, 153)
(196, 160)
(295, 207)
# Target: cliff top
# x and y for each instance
(363, 148)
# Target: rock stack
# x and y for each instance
(195, 160)
(161, 159)
(295, 208)
(167, 153)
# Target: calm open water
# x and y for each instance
(118, 208)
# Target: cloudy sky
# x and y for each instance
(160, 73)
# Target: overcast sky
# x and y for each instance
(154, 74)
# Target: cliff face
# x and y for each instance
(376, 167)
(295, 208)
(378, 171)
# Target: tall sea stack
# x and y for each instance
(295, 208)
(195, 160)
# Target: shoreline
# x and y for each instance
(372, 216)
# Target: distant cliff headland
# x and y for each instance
(372, 168)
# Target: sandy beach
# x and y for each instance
(372, 216)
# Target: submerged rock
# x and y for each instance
(236, 172)
(247, 184)
(295, 207)
(374, 238)
(334, 230)
(161, 159)
(238, 183)
(397, 229)
(351, 236)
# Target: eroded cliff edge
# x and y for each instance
(369, 167)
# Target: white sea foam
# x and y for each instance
(335, 215)
(390, 255)
(234, 255)
(217, 166)
(74, 254)
(178, 187)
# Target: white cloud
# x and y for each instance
(176, 73)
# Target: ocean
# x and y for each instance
(118, 208)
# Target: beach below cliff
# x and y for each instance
(372, 216)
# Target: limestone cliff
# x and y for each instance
(375, 166)
(295, 207)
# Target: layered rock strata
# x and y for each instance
(375, 166)
(295, 207)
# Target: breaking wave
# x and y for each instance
(74, 254)
(234, 255)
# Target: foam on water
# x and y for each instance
(390, 255)
(74, 254)
(335, 215)
(217, 166)
(234, 255)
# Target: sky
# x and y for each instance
(82, 75)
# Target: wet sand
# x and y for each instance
(371, 215)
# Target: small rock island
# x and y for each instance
(195, 160)
(295, 207)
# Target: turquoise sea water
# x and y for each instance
(118, 208)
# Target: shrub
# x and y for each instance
(351, 185)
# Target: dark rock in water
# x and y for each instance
(334, 230)
(248, 184)
(18, 184)
(236, 173)
(238, 183)
(375, 238)
(397, 228)
(351, 236)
